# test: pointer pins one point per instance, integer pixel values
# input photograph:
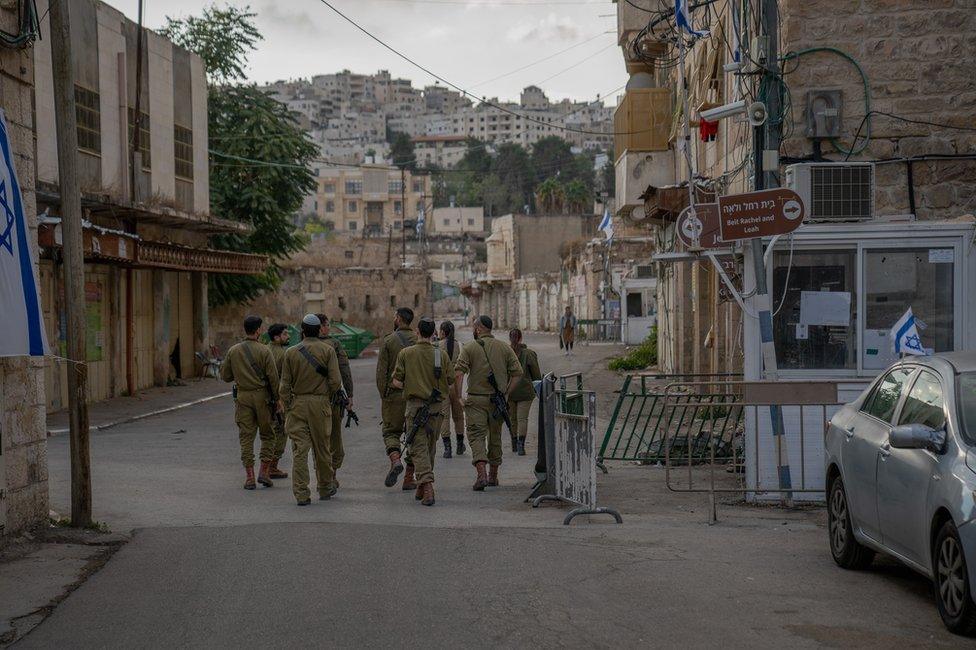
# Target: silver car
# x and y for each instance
(901, 476)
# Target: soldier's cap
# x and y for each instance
(427, 320)
(311, 320)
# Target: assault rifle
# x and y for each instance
(499, 402)
(422, 417)
(341, 400)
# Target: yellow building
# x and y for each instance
(371, 199)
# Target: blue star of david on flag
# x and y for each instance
(905, 336)
(6, 235)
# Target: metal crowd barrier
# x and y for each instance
(566, 466)
(598, 330)
(638, 426)
(757, 456)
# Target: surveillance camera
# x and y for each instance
(722, 112)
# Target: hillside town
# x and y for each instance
(588, 317)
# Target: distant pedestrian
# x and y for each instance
(278, 339)
(483, 360)
(426, 376)
(393, 404)
(309, 377)
(250, 365)
(567, 330)
(520, 401)
(335, 440)
(452, 408)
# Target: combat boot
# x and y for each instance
(409, 480)
(447, 447)
(274, 472)
(514, 444)
(263, 477)
(419, 494)
(460, 444)
(395, 468)
(493, 476)
(428, 499)
(521, 447)
(482, 481)
(249, 481)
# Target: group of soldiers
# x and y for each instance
(301, 392)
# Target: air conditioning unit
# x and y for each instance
(635, 172)
(834, 191)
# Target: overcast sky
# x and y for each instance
(469, 42)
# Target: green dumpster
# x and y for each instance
(353, 339)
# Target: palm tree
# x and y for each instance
(578, 197)
(550, 196)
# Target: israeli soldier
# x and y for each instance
(250, 365)
(482, 359)
(393, 405)
(309, 377)
(335, 440)
(278, 339)
(426, 376)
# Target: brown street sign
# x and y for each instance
(702, 219)
(777, 211)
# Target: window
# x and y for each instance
(392, 301)
(416, 300)
(397, 225)
(883, 399)
(368, 303)
(896, 279)
(88, 114)
(354, 187)
(397, 207)
(349, 255)
(815, 301)
(328, 188)
(183, 151)
(395, 187)
(447, 222)
(967, 405)
(144, 139)
(352, 225)
(924, 404)
(635, 307)
(353, 206)
(342, 302)
(470, 222)
(329, 206)
(418, 187)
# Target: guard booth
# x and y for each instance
(836, 290)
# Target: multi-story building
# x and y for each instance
(440, 150)
(439, 99)
(457, 221)
(371, 199)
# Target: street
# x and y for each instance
(210, 565)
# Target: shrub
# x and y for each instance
(642, 356)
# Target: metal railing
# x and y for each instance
(599, 330)
(640, 419)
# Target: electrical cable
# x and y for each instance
(543, 60)
(904, 119)
(433, 74)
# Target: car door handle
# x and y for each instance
(885, 450)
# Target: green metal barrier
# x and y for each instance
(571, 400)
(641, 418)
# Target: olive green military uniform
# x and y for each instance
(278, 424)
(308, 412)
(394, 407)
(520, 401)
(477, 359)
(450, 410)
(415, 367)
(335, 441)
(257, 389)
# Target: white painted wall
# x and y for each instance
(160, 74)
(201, 138)
(110, 44)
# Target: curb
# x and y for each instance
(142, 416)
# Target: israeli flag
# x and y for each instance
(905, 336)
(421, 222)
(606, 225)
(683, 21)
(21, 328)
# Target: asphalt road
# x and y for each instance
(211, 565)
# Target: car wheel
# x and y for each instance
(847, 552)
(952, 589)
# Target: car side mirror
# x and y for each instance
(917, 436)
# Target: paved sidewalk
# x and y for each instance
(120, 410)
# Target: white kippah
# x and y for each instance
(311, 320)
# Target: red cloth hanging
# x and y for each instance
(707, 130)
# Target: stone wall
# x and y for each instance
(23, 430)
(917, 57)
(362, 297)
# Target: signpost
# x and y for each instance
(766, 213)
(698, 227)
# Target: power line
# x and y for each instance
(462, 90)
(578, 63)
(543, 60)
(497, 3)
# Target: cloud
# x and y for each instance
(283, 20)
(549, 29)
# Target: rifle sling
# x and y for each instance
(254, 365)
(312, 361)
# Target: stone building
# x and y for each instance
(23, 431)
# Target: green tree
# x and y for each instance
(513, 168)
(550, 196)
(260, 158)
(401, 151)
(579, 198)
(552, 156)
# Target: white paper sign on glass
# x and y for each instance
(825, 308)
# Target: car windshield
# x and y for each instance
(967, 405)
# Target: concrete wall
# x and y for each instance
(23, 430)
(540, 239)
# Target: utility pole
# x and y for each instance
(74, 261)
(766, 147)
(403, 217)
